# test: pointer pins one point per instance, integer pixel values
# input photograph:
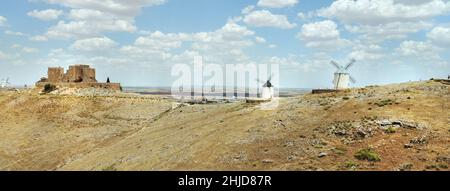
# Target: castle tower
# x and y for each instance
(55, 74)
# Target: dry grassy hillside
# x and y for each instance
(394, 127)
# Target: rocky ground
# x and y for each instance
(394, 127)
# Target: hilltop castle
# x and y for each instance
(78, 76)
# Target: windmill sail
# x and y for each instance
(350, 64)
(336, 65)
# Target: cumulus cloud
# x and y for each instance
(39, 38)
(45, 15)
(13, 33)
(29, 50)
(94, 44)
(264, 18)
(158, 40)
(395, 30)
(440, 36)
(3, 56)
(305, 16)
(323, 34)
(117, 8)
(88, 19)
(364, 52)
(294, 62)
(419, 49)
(2, 21)
(248, 9)
(277, 3)
(386, 11)
(88, 28)
(411, 2)
(158, 51)
(260, 39)
(323, 30)
(377, 21)
(222, 45)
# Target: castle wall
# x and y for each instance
(89, 75)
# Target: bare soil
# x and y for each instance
(406, 125)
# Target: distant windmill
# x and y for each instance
(342, 77)
(267, 89)
(5, 83)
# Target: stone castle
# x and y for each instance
(75, 74)
(78, 76)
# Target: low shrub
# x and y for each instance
(49, 88)
(367, 154)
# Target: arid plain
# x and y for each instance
(394, 127)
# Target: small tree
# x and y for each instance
(107, 81)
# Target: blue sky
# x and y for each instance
(137, 42)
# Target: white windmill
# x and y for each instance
(267, 91)
(4, 83)
(342, 77)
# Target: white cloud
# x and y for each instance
(94, 44)
(305, 16)
(323, 30)
(2, 21)
(13, 33)
(411, 2)
(440, 36)
(3, 56)
(225, 45)
(418, 49)
(39, 38)
(158, 51)
(45, 15)
(118, 8)
(421, 52)
(248, 9)
(364, 52)
(29, 50)
(386, 11)
(88, 28)
(16, 46)
(364, 55)
(264, 18)
(89, 14)
(298, 63)
(323, 35)
(158, 40)
(277, 3)
(88, 18)
(260, 39)
(376, 21)
(394, 30)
